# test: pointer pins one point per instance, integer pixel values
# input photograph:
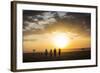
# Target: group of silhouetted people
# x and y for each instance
(53, 52)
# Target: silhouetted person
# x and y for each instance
(82, 49)
(59, 52)
(55, 52)
(50, 52)
(33, 51)
(46, 52)
(41, 53)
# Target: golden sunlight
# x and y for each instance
(60, 40)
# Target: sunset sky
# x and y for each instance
(50, 29)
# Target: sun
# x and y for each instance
(60, 40)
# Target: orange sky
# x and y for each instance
(43, 30)
(43, 41)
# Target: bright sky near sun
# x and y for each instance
(60, 40)
(55, 40)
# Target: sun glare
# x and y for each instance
(60, 40)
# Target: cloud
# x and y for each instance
(30, 39)
(73, 35)
(38, 21)
(62, 14)
(38, 24)
(41, 20)
(47, 15)
(47, 21)
(51, 20)
(32, 25)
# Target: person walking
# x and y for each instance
(55, 51)
(50, 52)
(46, 52)
(59, 52)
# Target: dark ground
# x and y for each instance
(38, 57)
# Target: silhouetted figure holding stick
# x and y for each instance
(55, 51)
(46, 52)
(50, 52)
(59, 51)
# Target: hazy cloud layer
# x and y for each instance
(36, 22)
(43, 19)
